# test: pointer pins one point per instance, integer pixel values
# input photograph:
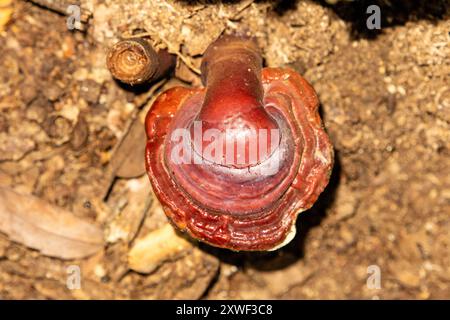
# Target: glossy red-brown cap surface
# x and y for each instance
(248, 205)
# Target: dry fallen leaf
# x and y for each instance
(39, 225)
(128, 159)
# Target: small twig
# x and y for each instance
(244, 6)
(60, 6)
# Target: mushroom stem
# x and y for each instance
(231, 70)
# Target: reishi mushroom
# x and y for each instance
(212, 180)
